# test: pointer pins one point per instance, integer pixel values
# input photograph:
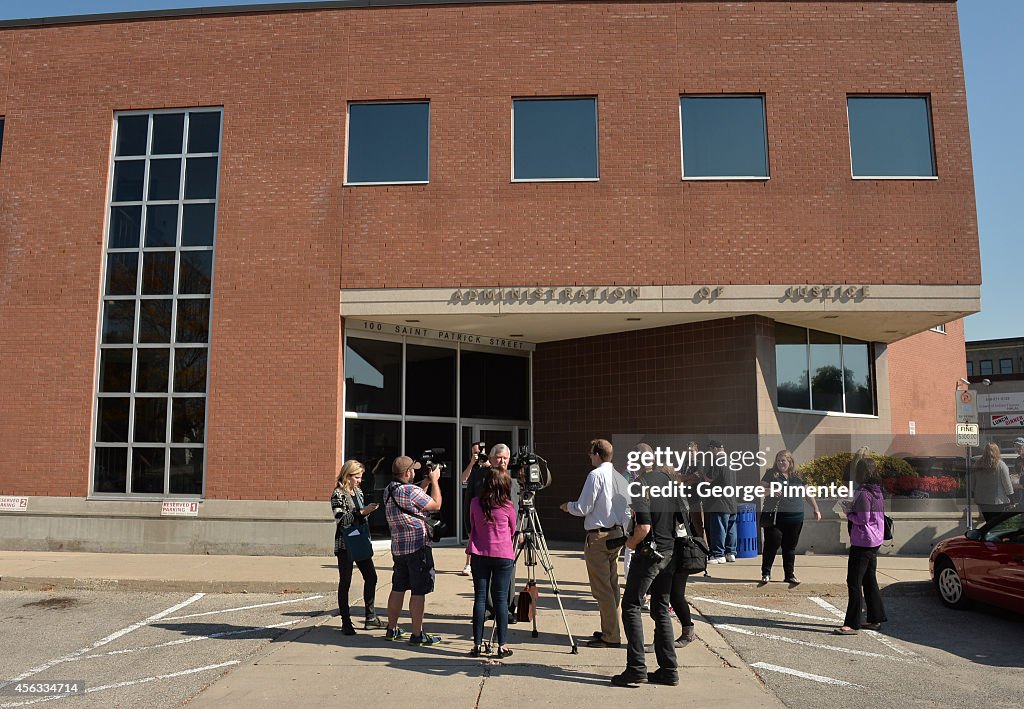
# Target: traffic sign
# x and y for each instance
(967, 435)
(966, 406)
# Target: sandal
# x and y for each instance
(845, 631)
(503, 652)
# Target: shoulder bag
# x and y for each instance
(690, 553)
(436, 529)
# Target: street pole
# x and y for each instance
(967, 473)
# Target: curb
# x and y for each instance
(36, 583)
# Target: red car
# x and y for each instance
(986, 564)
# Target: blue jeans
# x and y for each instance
(494, 573)
(721, 527)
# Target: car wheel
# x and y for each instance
(949, 585)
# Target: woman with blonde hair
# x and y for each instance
(782, 517)
(347, 505)
(993, 488)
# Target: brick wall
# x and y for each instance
(289, 235)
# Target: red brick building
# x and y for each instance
(240, 246)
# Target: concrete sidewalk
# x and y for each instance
(316, 664)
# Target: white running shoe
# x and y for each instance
(466, 571)
(717, 560)
(730, 557)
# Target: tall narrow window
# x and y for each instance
(554, 139)
(155, 316)
(891, 136)
(1, 137)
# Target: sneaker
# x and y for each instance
(373, 623)
(425, 639)
(717, 560)
(467, 571)
(765, 580)
(627, 679)
(730, 557)
(394, 634)
(793, 581)
(347, 629)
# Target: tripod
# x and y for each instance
(534, 549)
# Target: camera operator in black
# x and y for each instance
(654, 526)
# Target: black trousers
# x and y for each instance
(369, 573)
(785, 535)
(677, 595)
(656, 579)
(862, 585)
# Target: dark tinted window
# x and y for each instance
(373, 376)
(826, 372)
(555, 139)
(128, 178)
(430, 381)
(388, 142)
(148, 469)
(197, 224)
(986, 366)
(1006, 366)
(111, 470)
(857, 377)
(495, 386)
(132, 135)
(186, 471)
(161, 224)
(1, 137)
(204, 132)
(724, 136)
(890, 137)
(168, 131)
(125, 223)
(791, 367)
(201, 178)
(122, 273)
(164, 178)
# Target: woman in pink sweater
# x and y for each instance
(492, 518)
(867, 531)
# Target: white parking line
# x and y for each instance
(804, 675)
(100, 643)
(127, 683)
(759, 608)
(245, 608)
(871, 633)
(819, 646)
(183, 641)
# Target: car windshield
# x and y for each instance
(1009, 530)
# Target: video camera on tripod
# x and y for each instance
(531, 469)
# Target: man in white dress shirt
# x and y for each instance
(604, 506)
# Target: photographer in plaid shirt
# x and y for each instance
(410, 545)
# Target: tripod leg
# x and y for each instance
(540, 547)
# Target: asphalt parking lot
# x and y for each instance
(926, 655)
(135, 649)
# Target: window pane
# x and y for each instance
(112, 419)
(158, 273)
(375, 444)
(970, 369)
(419, 436)
(125, 224)
(164, 178)
(118, 321)
(122, 273)
(197, 225)
(155, 321)
(890, 137)
(168, 130)
(204, 132)
(110, 473)
(373, 376)
(116, 370)
(857, 377)
(555, 139)
(187, 471)
(150, 420)
(201, 178)
(148, 470)
(132, 132)
(388, 142)
(495, 386)
(794, 390)
(724, 136)
(128, 178)
(986, 366)
(194, 276)
(1006, 366)
(153, 369)
(188, 420)
(190, 370)
(430, 381)
(161, 225)
(193, 320)
(826, 365)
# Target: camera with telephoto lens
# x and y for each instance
(481, 456)
(428, 459)
(531, 469)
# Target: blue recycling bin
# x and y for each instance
(746, 531)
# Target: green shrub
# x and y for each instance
(830, 469)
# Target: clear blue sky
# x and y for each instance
(990, 33)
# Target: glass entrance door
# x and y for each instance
(512, 435)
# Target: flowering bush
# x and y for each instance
(914, 486)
